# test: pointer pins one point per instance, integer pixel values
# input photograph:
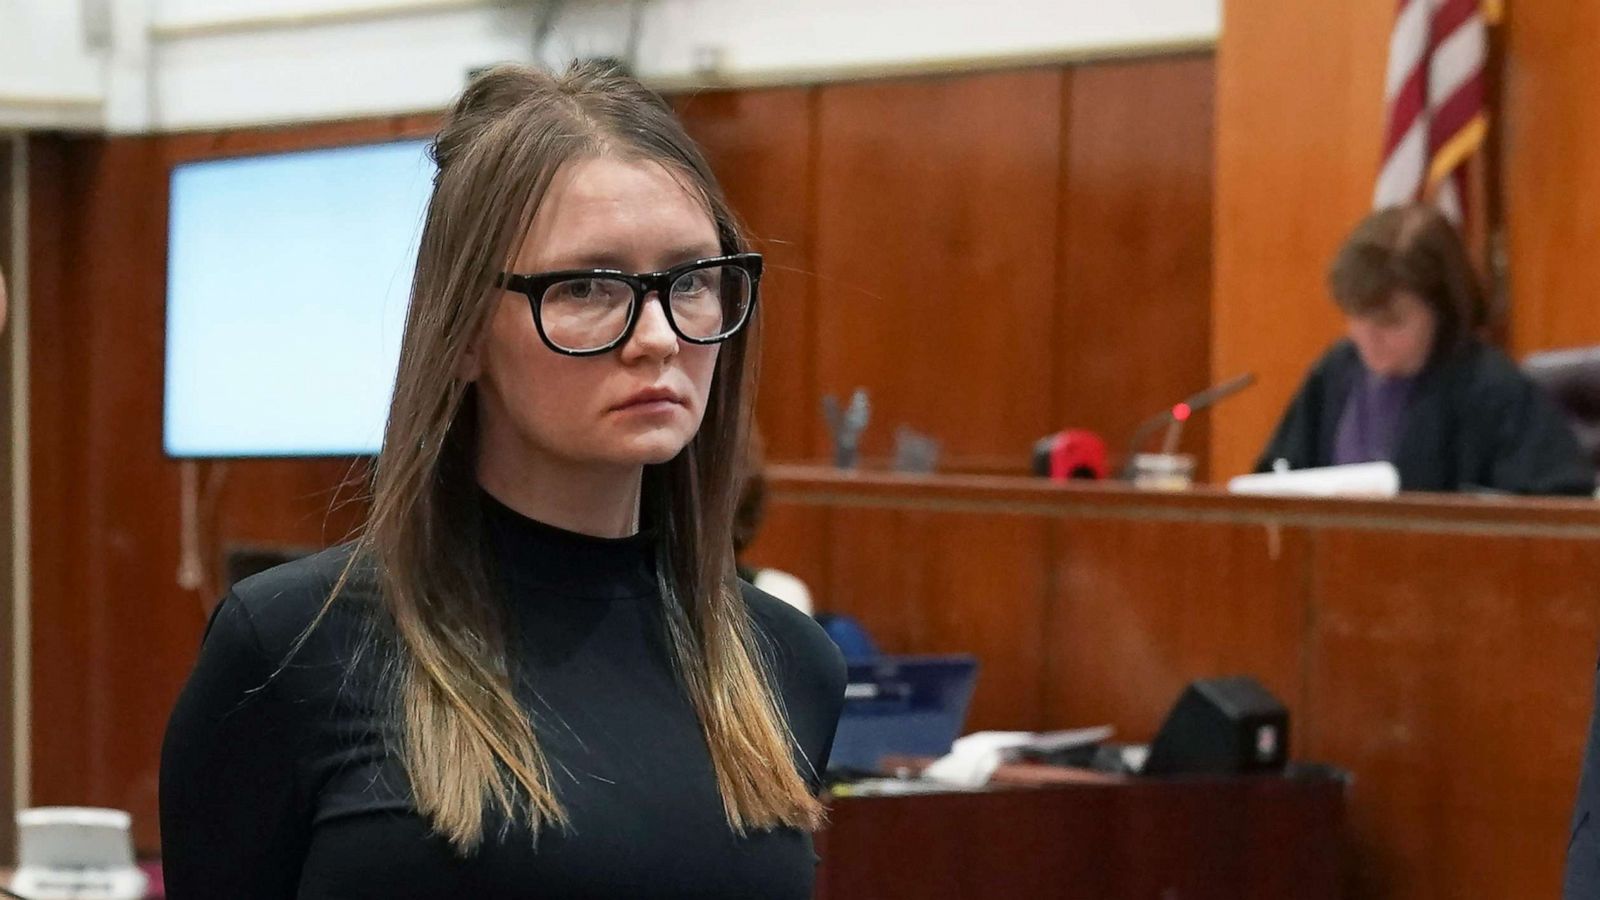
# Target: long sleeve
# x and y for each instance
(230, 819)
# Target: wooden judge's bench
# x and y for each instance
(1439, 649)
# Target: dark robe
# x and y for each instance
(1474, 423)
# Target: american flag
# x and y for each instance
(1437, 113)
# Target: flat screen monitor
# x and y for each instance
(288, 276)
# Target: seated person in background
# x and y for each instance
(1414, 384)
(747, 521)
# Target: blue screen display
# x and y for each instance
(287, 282)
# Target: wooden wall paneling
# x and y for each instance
(979, 586)
(119, 623)
(868, 574)
(418, 125)
(1299, 129)
(936, 215)
(8, 599)
(279, 139)
(1144, 607)
(1134, 320)
(315, 502)
(760, 144)
(1453, 675)
(795, 539)
(139, 637)
(1551, 134)
(59, 460)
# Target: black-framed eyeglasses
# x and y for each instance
(586, 312)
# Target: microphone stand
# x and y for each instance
(1174, 418)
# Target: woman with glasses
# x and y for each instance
(534, 673)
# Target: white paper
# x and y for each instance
(973, 759)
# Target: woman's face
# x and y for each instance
(638, 404)
(1395, 341)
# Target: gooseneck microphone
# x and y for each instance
(1178, 413)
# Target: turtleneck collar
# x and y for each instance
(557, 562)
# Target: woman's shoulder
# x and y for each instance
(1487, 363)
(1337, 360)
(1487, 376)
(798, 648)
(281, 603)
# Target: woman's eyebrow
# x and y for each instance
(603, 259)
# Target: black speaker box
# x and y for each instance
(1222, 726)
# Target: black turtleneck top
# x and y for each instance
(285, 785)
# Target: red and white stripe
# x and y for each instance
(1437, 117)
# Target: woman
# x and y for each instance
(1413, 383)
(534, 673)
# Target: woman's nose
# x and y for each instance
(652, 335)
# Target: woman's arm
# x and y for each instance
(232, 821)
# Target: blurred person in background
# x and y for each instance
(1414, 384)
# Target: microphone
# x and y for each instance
(1180, 412)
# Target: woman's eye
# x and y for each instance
(694, 283)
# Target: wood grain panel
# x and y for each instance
(760, 145)
(1299, 130)
(8, 450)
(1452, 675)
(936, 215)
(1134, 320)
(794, 539)
(867, 575)
(1144, 607)
(59, 461)
(121, 502)
(979, 586)
(1551, 131)
(132, 493)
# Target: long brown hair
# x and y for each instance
(465, 741)
(1411, 248)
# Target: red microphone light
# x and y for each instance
(1182, 412)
